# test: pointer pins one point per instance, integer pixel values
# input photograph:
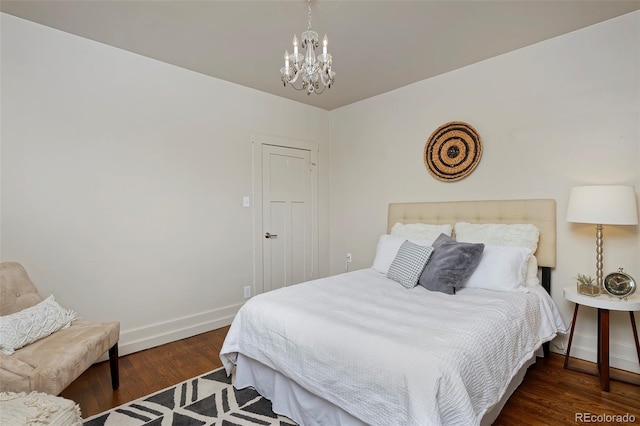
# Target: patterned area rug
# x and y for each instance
(209, 399)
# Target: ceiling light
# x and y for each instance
(308, 72)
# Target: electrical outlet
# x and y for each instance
(349, 257)
(247, 292)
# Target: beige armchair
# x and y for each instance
(53, 362)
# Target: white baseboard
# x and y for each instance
(153, 335)
(622, 355)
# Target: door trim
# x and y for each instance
(257, 141)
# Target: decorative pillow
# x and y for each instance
(409, 263)
(516, 235)
(450, 265)
(423, 231)
(501, 268)
(31, 324)
(388, 246)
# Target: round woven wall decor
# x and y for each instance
(453, 151)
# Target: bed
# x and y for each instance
(362, 348)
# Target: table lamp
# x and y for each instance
(602, 205)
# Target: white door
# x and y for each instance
(287, 217)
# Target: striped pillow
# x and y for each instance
(408, 264)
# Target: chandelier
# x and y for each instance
(308, 72)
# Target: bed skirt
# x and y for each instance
(303, 407)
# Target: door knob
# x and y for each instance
(269, 235)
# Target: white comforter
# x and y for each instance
(391, 355)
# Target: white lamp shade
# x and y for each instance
(603, 204)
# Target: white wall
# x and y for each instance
(560, 113)
(123, 178)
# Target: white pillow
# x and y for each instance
(387, 249)
(31, 324)
(501, 268)
(532, 279)
(422, 231)
(499, 234)
(409, 263)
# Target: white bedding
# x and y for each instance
(391, 355)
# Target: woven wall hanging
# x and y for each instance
(453, 151)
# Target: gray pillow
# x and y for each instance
(450, 265)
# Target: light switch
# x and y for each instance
(245, 201)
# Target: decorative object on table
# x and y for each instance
(453, 151)
(313, 73)
(602, 205)
(587, 285)
(619, 284)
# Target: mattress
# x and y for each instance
(389, 355)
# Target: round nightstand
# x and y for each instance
(604, 304)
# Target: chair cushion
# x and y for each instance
(63, 356)
(14, 374)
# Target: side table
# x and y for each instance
(604, 304)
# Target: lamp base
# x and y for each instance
(599, 275)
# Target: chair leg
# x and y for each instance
(113, 364)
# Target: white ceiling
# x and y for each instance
(377, 46)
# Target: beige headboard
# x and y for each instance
(539, 212)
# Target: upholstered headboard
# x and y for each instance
(538, 212)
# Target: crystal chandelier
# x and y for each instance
(314, 72)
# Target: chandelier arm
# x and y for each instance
(296, 74)
(325, 80)
(320, 92)
(292, 83)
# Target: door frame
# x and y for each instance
(257, 142)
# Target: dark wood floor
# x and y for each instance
(549, 394)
